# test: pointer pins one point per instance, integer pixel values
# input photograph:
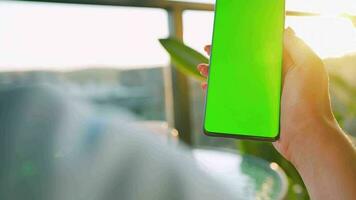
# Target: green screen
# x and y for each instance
(244, 84)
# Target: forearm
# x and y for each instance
(327, 163)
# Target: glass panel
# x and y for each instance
(107, 55)
(328, 36)
(67, 37)
(198, 28)
(329, 7)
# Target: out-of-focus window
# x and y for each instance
(198, 28)
(328, 36)
(108, 55)
(68, 36)
(328, 7)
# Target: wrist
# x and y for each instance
(314, 141)
(326, 161)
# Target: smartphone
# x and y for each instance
(244, 84)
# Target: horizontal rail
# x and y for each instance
(163, 4)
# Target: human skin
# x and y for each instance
(310, 137)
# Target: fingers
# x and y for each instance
(296, 52)
(207, 49)
(203, 69)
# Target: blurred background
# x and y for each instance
(108, 52)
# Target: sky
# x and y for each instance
(68, 37)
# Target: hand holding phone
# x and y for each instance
(310, 137)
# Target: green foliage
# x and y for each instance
(183, 57)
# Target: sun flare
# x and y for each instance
(328, 36)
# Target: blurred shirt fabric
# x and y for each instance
(56, 146)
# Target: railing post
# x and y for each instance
(177, 85)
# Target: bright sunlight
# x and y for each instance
(100, 36)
